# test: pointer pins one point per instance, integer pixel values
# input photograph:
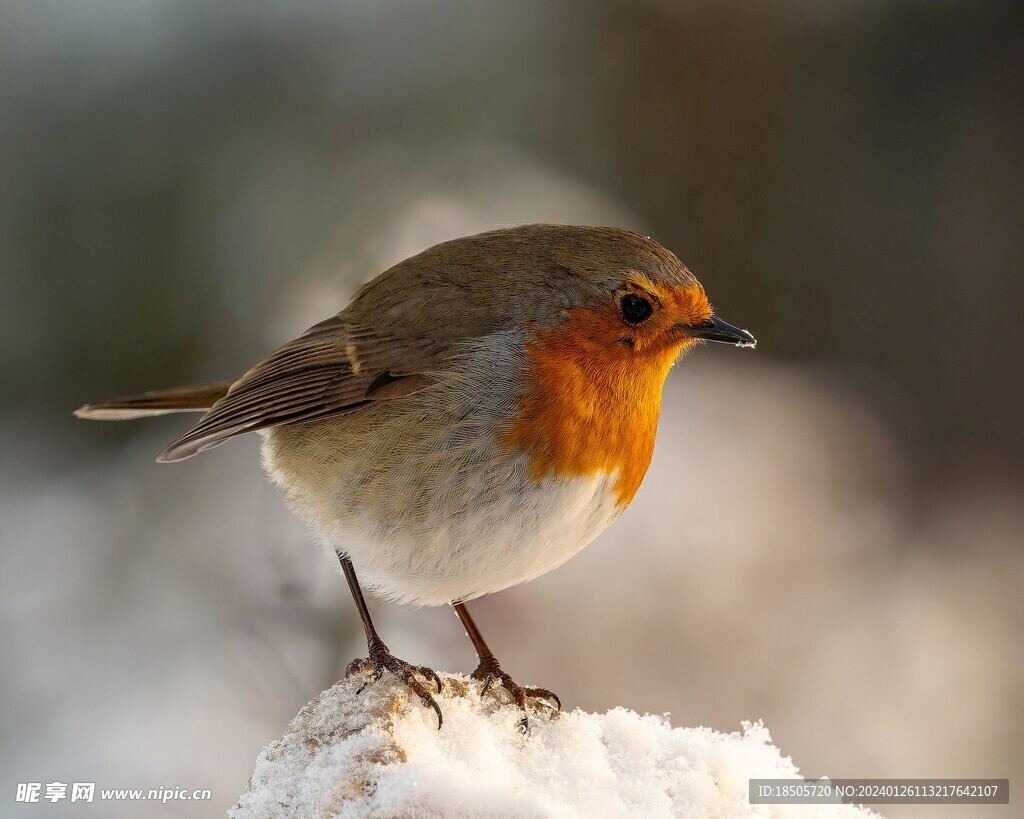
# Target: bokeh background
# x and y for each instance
(185, 185)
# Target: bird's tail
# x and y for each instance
(197, 398)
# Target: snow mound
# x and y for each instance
(380, 754)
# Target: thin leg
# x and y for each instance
(489, 669)
(380, 658)
(357, 595)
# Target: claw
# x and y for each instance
(429, 672)
(381, 660)
(489, 670)
(544, 694)
(437, 710)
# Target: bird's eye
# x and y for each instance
(635, 309)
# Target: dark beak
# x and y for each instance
(714, 329)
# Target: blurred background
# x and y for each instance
(185, 185)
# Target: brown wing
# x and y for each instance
(331, 369)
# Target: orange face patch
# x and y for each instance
(596, 390)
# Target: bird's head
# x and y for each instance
(633, 299)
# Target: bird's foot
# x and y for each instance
(381, 660)
(489, 671)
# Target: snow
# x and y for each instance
(380, 754)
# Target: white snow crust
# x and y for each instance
(379, 754)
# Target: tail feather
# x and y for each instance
(197, 398)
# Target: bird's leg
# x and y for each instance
(380, 658)
(489, 669)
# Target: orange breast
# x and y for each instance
(593, 402)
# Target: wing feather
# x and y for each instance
(332, 369)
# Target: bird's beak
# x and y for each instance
(714, 329)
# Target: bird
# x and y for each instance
(474, 417)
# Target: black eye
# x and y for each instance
(635, 309)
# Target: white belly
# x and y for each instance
(421, 498)
(505, 541)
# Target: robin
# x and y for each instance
(478, 414)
